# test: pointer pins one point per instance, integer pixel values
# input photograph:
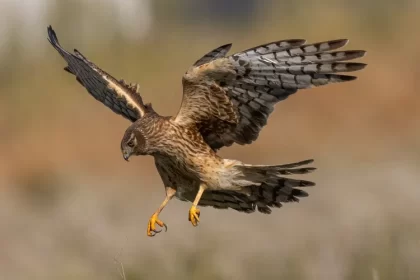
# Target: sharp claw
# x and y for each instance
(151, 227)
(194, 215)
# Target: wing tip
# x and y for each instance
(297, 42)
(355, 66)
(310, 169)
(347, 78)
(338, 43)
(342, 41)
(308, 161)
(362, 53)
(304, 183)
(299, 193)
(353, 54)
(225, 46)
(52, 36)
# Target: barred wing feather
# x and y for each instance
(214, 54)
(121, 97)
(230, 98)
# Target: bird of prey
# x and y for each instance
(226, 99)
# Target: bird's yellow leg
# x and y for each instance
(194, 213)
(151, 227)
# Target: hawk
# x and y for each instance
(226, 100)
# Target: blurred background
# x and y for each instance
(72, 208)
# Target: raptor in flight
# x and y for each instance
(226, 100)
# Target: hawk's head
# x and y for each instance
(133, 142)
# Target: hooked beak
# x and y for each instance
(126, 156)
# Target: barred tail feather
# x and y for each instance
(270, 189)
(263, 188)
(228, 199)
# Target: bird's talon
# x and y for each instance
(194, 215)
(151, 227)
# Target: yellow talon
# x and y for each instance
(194, 215)
(151, 227)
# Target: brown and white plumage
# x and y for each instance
(226, 100)
(238, 92)
(121, 97)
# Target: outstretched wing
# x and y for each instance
(119, 96)
(230, 98)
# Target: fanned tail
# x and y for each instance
(268, 188)
(262, 187)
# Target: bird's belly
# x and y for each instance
(190, 172)
(180, 177)
(207, 170)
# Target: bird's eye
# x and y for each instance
(130, 144)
